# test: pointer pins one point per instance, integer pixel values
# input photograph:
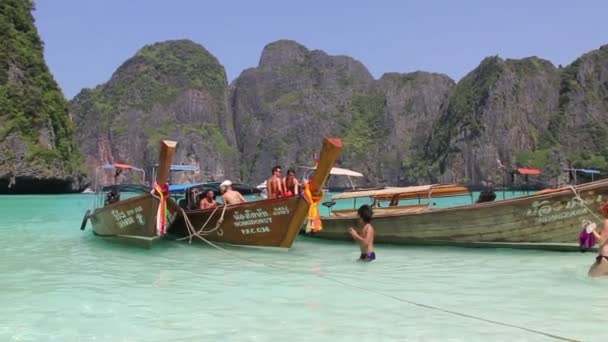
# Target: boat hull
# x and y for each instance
(545, 221)
(266, 223)
(131, 221)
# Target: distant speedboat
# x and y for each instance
(88, 191)
(139, 220)
(264, 188)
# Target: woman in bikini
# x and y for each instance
(291, 184)
(600, 267)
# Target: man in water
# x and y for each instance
(208, 201)
(366, 237)
(600, 267)
(274, 184)
(230, 196)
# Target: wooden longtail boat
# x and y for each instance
(264, 223)
(134, 220)
(548, 220)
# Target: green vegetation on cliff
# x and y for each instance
(366, 131)
(173, 89)
(31, 104)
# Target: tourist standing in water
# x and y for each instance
(274, 184)
(366, 237)
(291, 184)
(600, 267)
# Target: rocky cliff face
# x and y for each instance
(291, 100)
(170, 90)
(295, 96)
(580, 126)
(414, 102)
(401, 129)
(38, 152)
(501, 110)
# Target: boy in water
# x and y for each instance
(366, 237)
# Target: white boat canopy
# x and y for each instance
(338, 171)
(383, 192)
(410, 192)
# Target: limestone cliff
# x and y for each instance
(580, 126)
(38, 151)
(499, 111)
(291, 100)
(175, 90)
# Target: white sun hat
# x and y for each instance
(225, 184)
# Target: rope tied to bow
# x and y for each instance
(313, 221)
(161, 192)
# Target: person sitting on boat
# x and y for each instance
(112, 196)
(230, 196)
(600, 267)
(275, 184)
(291, 184)
(208, 202)
(487, 194)
(366, 237)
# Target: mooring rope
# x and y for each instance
(425, 306)
(582, 202)
(192, 232)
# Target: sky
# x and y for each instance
(87, 40)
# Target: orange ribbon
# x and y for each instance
(313, 223)
(161, 215)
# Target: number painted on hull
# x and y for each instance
(258, 230)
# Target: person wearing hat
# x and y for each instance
(230, 196)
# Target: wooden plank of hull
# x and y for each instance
(267, 223)
(132, 220)
(548, 221)
(261, 223)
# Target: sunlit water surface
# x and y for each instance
(61, 284)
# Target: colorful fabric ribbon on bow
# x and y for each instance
(313, 223)
(162, 191)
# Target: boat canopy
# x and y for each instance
(244, 189)
(184, 168)
(176, 188)
(433, 190)
(528, 171)
(114, 166)
(136, 188)
(587, 171)
(338, 171)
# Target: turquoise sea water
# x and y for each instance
(61, 284)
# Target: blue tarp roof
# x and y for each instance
(182, 187)
(589, 171)
(244, 189)
(184, 168)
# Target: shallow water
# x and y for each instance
(61, 284)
